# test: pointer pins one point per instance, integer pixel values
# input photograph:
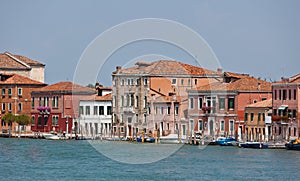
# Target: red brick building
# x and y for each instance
(286, 107)
(217, 109)
(55, 106)
(16, 96)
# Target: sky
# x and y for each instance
(258, 37)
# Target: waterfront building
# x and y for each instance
(217, 109)
(286, 107)
(258, 122)
(152, 96)
(54, 107)
(16, 97)
(95, 114)
(21, 65)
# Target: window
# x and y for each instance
(46, 120)
(40, 101)
(80, 110)
(3, 123)
(263, 117)
(182, 81)
(145, 119)
(174, 81)
(3, 106)
(294, 113)
(55, 102)
(263, 98)
(222, 103)
(9, 91)
(136, 101)
(231, 103)
(95, 110)
(168, 126)
(109, 112)
(192, 125)
(32, 103)
(122, 82)
(32, 120)
(200, 102)
(284, 94)
(54, 120)
(222, 125)
(46, 101)
(200, 125)
(191, 103)
(279, 94)
(169, 110)
(295, 94)
(274, 112)
(122, 101)
(19, 91)
(189, 81)
(128, 81)
(290, 94)
(161, 110)
(40, 120)
(258, 116)
(131, 100)
(10, 107)
(254, 101)
(156, 110)
(251, 116)
(145, 101)
(246, 117)
(275, 94)
(138, 82)
(176, 110)
(19, 107)
(231, 125)
(195, 81)
(101, 110)
(145, 81)
(87, 110)
(114, 101)
(3, 91)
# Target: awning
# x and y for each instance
(283, 107)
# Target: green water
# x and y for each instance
(29, 159)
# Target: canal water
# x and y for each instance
(30, 159)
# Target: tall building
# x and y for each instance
(21, 65)
(152, 96)
(286, 108)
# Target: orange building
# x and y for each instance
(217, 109)
(16, 96)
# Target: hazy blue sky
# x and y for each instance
(259, 37)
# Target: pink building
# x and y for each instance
(55, 106)
(286, 106)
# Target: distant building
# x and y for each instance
(217, 109)
(286, 108)
(152, 96)
(56, 106)
(15, 96)
(21, 65)
(95, 114)
(258, 123)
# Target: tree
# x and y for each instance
(9, 118)
(22, 120)
(91, 86)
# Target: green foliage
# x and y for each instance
(23, 119)
(91, 86)
(9, 118)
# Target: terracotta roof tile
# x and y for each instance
(167, 67)
(67, 87)
(95, 97)
(18, 79)
(7, 60)
(265, 103)
(236, 75)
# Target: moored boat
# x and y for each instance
(53, 137)
(293, 145)
(256, 145)
(226, 141)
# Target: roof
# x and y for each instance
(167, 99)
(166, 67)
(8, 79)
(10, 61)
(66, 87)
(245, 83)
(292, 80)
(95, 97)
(235, 75)
(262, 104)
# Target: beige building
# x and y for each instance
(21, 65)
(152, 96)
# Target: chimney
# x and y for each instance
(219, 70)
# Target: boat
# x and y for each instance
(146, 140)
(54, 137)
(171, 139)
(226, 141)
(293, 145)
(256, 145)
